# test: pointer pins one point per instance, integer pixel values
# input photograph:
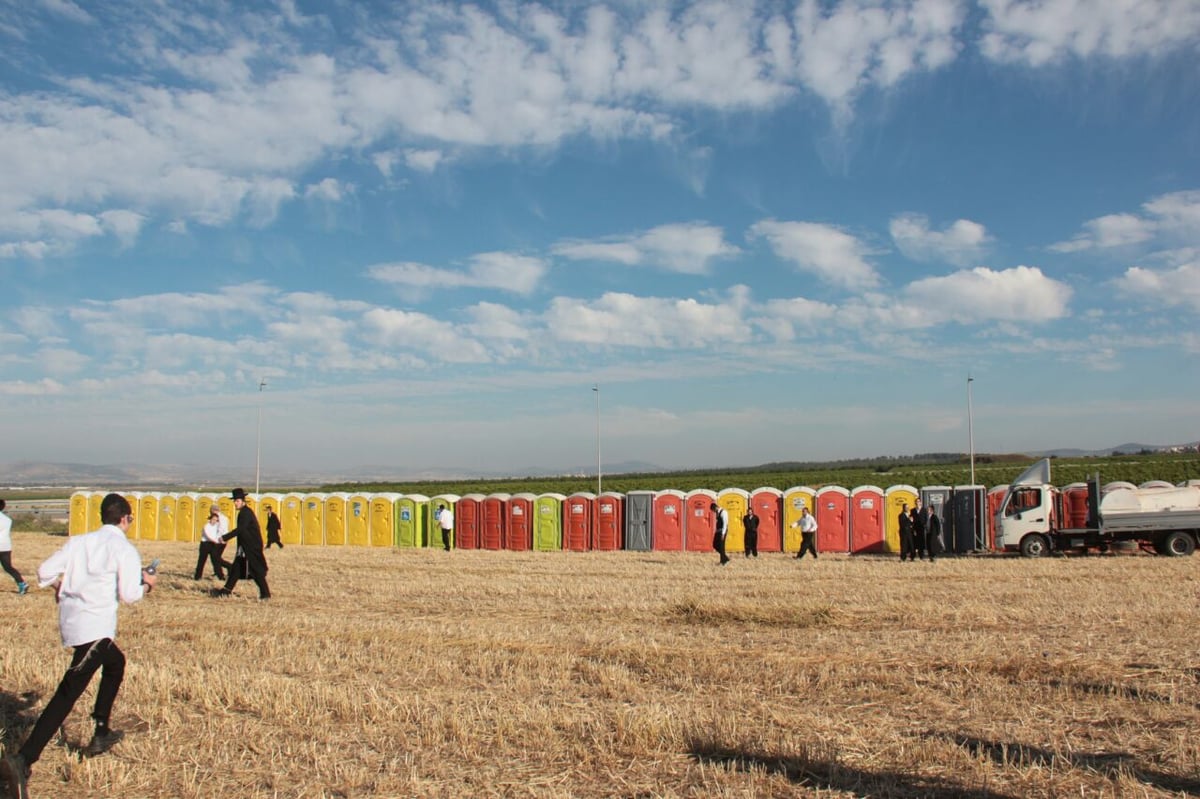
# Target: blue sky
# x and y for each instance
(766, 231)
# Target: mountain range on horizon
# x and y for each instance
(30, 474)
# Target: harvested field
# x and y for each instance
(398, 673)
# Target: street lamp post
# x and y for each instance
(970, 428)
(258, 445)
(599, 483)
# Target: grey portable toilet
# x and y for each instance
(967, 521)
(639, 510)
(937, 499)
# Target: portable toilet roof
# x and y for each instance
(1156, 484)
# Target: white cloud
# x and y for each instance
(1175, 214)
(394, 329)
(687, 248)
(961, 243)
(329, 190)
(1020, 294)
(619, 319)
(1169, 287)
(423, 160)
(518, 274)
(1036, 33)
(830, 253)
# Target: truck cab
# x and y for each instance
(1024, 519)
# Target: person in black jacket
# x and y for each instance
(933, 535)
(750, 522)
(920, 520)
(273, 526)
(907, 551)
(250, 559)
(720, 530)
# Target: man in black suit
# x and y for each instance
(250, 559)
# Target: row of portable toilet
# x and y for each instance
(862, 520)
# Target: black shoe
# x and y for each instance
(218, 592)
(102, 741)
(15, 774)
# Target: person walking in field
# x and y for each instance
(808, 533)
(920, 521)
(212, 544)
(92, 574)
(250, 559)
(273, 527)
(6, 550)
(720, 530)
(750, 523)
(907, 552)
(933, 536)
(445, 522)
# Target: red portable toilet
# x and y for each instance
(520, 522)
(768, 506)
(493, 514)
(1075, 506)
(578, 512)
(610, 522)
(866, 520)
(666, 529)
(698, 529)
(468, 516)
(995, 496)
(833, 519)
(796, 499)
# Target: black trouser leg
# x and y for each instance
(808, 543)
(260, 580)
(87, 659)
(6, 562)
(234, 573)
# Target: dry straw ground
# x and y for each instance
(432, 674)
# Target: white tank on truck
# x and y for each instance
(1034, 520)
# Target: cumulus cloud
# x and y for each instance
(687, 248)
(1020, 294)
(619, 319)
(1035, 33)
(960, 243)
(395, 329)
(1175, 214)
(1169, 287)
(826, 251)
(518, 274)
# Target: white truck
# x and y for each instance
(1034, 519)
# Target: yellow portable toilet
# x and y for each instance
(382, 519)
(77, 520)
(203, 503)
(93, 519)
(134, 499)
(412, 520)
(291, 518)
(275, 502)
(166, 517)
(358, 520)
(146, 515)
(186, 527)
(894, 498)
(312, 514)
(433, 533)
(336, 511)
(794, 500)
(734, 501)
(225, 505)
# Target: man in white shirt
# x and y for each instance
(92, 573)
(6, 551)
(212, 544)
(445, 520)
(808, 533)
(720, 530)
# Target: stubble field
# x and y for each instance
(420, 673)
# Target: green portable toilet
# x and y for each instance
(433, 532)
(547, 524)
(412, 520)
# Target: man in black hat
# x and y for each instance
(250, 559)
(273, 528)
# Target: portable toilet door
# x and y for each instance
(578, 512)
(77, 517)
(610, 522)
(866, 519)
(895, 498)
(291, 516)
(146, 515)
(312, 525)
(433, 530)
(166, 517)
(95, 498)
(186, 528)
(547, 523)
(381, 519)
(336, 511)
(833, 519)
(734, 501)
(666, 529)
(967, 519)
(493, 516)
(412, 521)
(358, 520)
(639, 511)
(698, 527)
(796, 499)
(937, 500)
(768, 507)
(519, 522)
(995, 496)
(468, 516)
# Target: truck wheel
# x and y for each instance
(1035, 545)
(1179, 544)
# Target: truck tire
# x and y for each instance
(1035, 545)
(1178, 544)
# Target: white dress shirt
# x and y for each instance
(5, 532)
(214, 531)
(96, 570)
